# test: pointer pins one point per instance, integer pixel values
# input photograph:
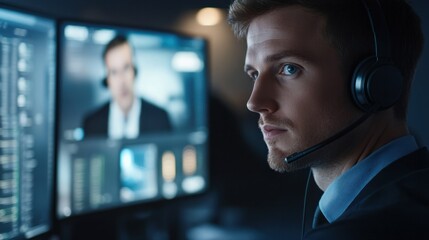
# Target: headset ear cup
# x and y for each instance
(104, 82)
(376, 85)
(359, 85)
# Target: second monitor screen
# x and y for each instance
(133, 117)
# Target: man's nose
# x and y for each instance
(262, 99)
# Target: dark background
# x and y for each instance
(246, 200)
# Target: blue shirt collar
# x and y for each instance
(345, 188)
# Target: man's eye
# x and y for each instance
(253, 75)
(289, 69)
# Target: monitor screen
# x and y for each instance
(132, 117)
(27, 93)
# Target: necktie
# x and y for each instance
(125, 127)
(319, 219)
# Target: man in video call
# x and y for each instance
(331, 87)
(126, 116)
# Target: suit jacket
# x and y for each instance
(394, 205)
(152, 119)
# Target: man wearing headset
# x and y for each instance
(331, 86)
(126, 115)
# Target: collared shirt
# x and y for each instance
(343, 190)
(121, 125)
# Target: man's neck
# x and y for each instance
(125, 110)
(378, 134)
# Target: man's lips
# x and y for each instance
(271, 132)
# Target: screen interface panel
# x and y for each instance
(27, 94)
(133, 117)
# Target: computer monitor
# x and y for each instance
(27, 94)
(132, 117)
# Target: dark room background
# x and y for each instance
(247, 200)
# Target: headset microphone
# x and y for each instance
(293, 157)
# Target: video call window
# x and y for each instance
(27, 103)
(132, 117)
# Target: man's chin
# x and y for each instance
(126, 105)
(276, 161)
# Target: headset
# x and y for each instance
(118, 40)
(104, 80)
(376, 84)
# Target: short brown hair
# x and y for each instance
(116, 41)
(349, 30)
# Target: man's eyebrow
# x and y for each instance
(287, 53)
(280, 55)
(247, 67)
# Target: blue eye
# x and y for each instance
(289, 69)
(253, 75)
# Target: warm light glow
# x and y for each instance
(168, 166)
(209, 16)
(189, 160)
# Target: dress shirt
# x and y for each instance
(122, 126)
(343, 190)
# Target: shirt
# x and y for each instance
(343, 190)
(122, 126)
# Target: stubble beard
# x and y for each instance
(328, 156)
(277, 151)
(276, 159)
(276, 156)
